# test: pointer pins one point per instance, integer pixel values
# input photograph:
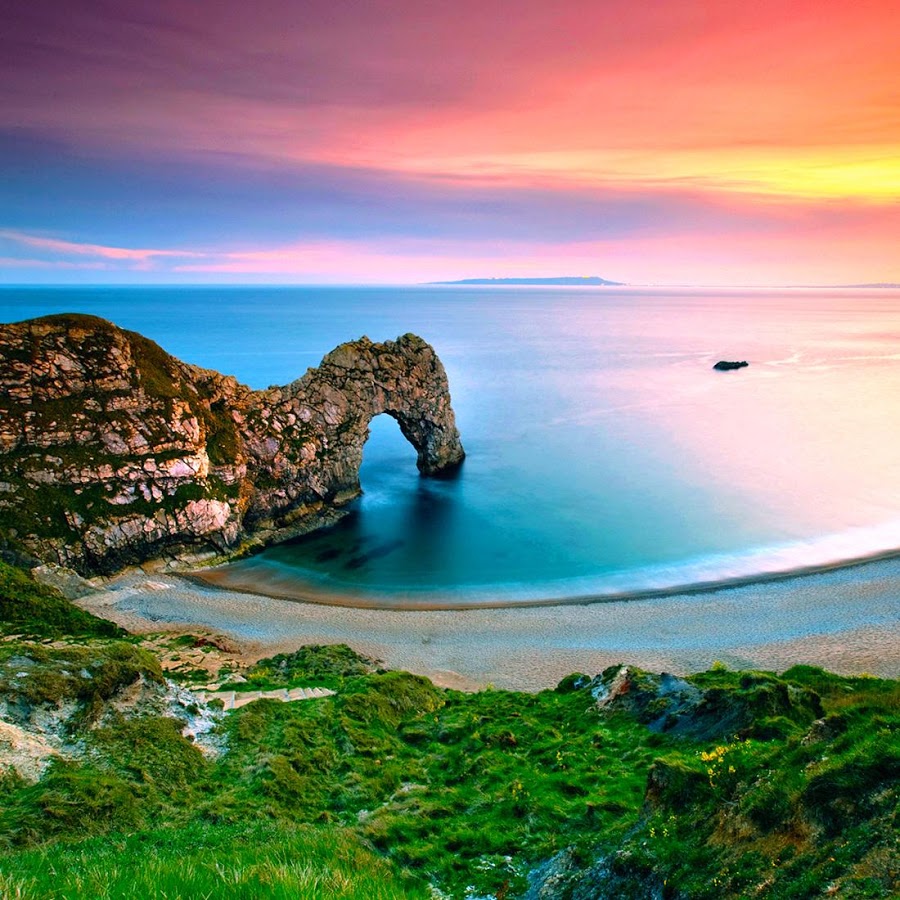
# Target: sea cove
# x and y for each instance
(605, 456)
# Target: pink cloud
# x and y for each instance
(394, 82)
(77, 248)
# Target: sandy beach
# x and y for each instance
(846, 619)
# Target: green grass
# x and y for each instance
(329, 665)
(810, 814)
(769, 786)
(37, 674)
(444, 783)
(31, 609)
(255, 862)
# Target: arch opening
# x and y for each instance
(389, 457)
(398, 527)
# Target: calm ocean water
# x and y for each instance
(604, 453)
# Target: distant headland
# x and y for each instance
(563, 281)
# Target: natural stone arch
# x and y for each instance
(113, 452)
(326, 414)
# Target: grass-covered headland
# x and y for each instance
(117, 782)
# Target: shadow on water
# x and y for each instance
(399, 530)
(431, 513)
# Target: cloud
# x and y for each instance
(390, 82)
(15, 262)
(201, 205)
(75, 248)
(330, 135)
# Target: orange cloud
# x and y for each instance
(797, 98)
(744, 106)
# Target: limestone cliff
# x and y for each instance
(113, 452)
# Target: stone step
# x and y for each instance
(237, 699)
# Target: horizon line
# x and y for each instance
(460, 283)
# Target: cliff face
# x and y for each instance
(113, 452)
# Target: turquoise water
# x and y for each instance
(604, 454)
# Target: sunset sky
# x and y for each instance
(663, 142)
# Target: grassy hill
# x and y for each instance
(623, 785)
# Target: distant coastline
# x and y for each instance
(560, 281)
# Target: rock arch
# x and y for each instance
(113, 452)
(323, 418)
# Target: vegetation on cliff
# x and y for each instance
(720, 784)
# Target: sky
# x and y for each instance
(399, 141)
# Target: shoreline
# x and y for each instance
(846, 619)
(226, 577)
(222, 577)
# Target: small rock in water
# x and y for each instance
(724, 365)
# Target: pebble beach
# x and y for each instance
(846, 620)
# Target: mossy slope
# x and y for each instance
(746, 784)
(33, 610)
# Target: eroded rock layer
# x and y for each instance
(113, 452)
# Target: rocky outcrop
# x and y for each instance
(759, 705)
(113, 452)
(53, 697)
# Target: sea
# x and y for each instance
(606, 457)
